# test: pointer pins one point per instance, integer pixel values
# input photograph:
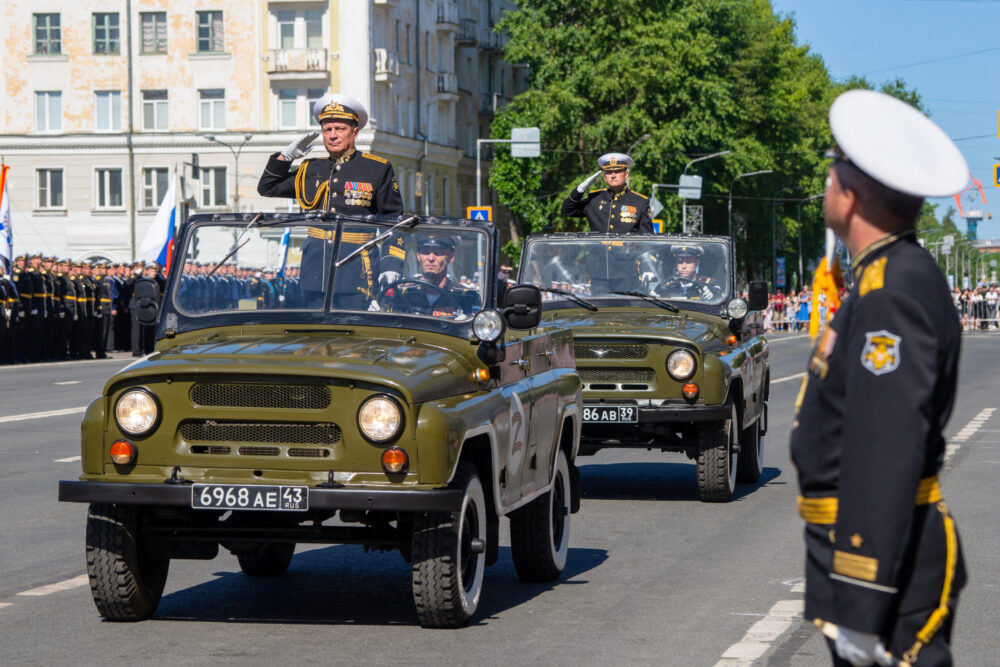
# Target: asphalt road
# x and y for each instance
(654, 576)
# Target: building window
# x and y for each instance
(212, 109)
(107, 188)
(108, 115)
(312, 94)
(399, 53)
(409, 53)
(286, 29)
(154, 109)
(50, 188)
(213, 186)
(314, 28)
(48, 36)
(154, 186)
(107, 34)
(447, 196)
(288, 105)
(428, 195)
(154, 32)
(427, 51)
(210, 32)
(48, 111)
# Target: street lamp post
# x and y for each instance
(798, 218)
(774, 238)
(733, 182)
(235, 150)
(684, 173)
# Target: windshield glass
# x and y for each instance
(419, 269)
(672, 268)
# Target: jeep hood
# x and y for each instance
(687, 326)
(421, 367)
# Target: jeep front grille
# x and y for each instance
(294, 397)
(585, 350)
(617, 379)
(257, 432)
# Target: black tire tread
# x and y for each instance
(529, 541)
(747, 469)
(713, 464)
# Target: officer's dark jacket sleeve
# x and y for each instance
(574, 206)
(278, 179)
(388, 200)
(889, 403)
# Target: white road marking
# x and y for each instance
(69, 382)
(799, 587)
(42, 415)
(783, 337)
(48, 589)
(967, 431)
(758, 639)
(5, 604)
(788, 377)
(71, 459)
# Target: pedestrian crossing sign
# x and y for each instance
(484, 213)
(996, 175)
(657, 226)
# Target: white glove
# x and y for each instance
(34, 311)
(62, 315)
(374, 307)
(585, 183)
(299, 147)
(387, 279)
(861, 648)
(647, 276)
(706, 292)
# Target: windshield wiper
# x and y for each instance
(368, 244)
(648, 297)
(572, 297)
(237, 244)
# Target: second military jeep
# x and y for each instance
(304, 401)
(670, 356)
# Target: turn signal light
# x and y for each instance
(123, 452)
(394, 460)
(480, 375)
(690, 391)
(730, 340)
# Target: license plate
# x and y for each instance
(611, 414)
(249, 497)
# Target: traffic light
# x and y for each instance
(195, 171)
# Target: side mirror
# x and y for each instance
(757, 295)
(147, 300)
(522, 306)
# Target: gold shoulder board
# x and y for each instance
(375, 157)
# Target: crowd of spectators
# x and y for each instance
(977, 307)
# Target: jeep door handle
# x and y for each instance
(521, 363)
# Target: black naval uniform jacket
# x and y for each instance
(611, 212)
(355, 184)
(867, 445)
(453, 300)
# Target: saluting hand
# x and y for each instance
(585, 183)
(299, 147)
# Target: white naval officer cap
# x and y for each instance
(611, 161)
(341, 107)
(895, 144)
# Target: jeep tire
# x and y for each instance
(718, 459)
(126, 576)
(270, 560)
(449, 556)
(539, 531)
(751, 463)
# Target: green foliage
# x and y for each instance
(699, 76)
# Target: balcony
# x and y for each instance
(490, 41)
(490, 103)
(466, 35)
(386, 65)
(447, 15)
(298, 63)
(447, 86)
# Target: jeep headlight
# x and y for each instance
(488, 326)
(380, 419)
(681, 364)
(737, 308)
(136, 412)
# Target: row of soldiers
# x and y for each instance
(56, 309)
(204, 287)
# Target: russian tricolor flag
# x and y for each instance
(158, 245)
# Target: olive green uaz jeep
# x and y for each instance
(304, 401)
(670, 357)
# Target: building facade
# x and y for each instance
(104, 106)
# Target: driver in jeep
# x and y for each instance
(686, 281)
(433, 293)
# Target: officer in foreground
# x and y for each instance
(435, 294)
(884, 565)
(349, 182)
(615, 209)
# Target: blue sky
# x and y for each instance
(883, 39)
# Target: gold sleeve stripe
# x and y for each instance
(822, 511)
(929, 491)
(357, 237)
(317, 233)
(855, 566)
(397, 252)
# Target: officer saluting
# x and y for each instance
(348, 182)
(615, 209)
(884, 565)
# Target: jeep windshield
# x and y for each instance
(666, 268)
(334, 269)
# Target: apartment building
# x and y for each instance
(104, 105)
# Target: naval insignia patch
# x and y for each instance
(880, 355)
